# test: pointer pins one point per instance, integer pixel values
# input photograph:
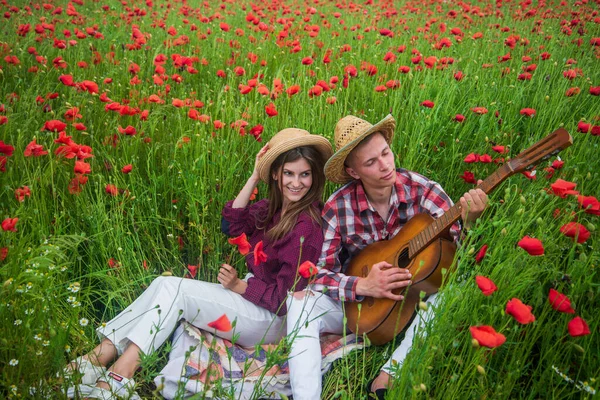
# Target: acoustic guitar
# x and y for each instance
(424, 247)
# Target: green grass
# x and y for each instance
(176, 189)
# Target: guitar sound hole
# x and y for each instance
(403, 259)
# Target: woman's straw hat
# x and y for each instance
(349, 132)
(289, 139)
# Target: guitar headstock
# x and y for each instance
(542, 150)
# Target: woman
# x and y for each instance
(292, 164)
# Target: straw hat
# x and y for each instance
(349, 132)
(288, 139)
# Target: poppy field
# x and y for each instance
(125, 126)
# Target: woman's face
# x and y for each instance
(296, 180)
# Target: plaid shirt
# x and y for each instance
(350, 223)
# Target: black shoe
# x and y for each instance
(378, 394)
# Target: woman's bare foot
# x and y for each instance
(383, 381)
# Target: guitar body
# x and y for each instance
(382, 319)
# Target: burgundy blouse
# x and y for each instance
(274, 278)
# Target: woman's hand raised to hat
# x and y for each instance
(260, 154)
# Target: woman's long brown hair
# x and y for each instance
(287, 222)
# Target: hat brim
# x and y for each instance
(319, 142)
(335, 171)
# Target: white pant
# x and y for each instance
(150, 319)
(318, 313)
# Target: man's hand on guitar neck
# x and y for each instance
(381, 280)
(473, 203)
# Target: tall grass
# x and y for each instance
(57, 281)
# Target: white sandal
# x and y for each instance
(88, 371)
(120, 387)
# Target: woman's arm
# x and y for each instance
(242, 199)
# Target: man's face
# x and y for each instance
(373, 163)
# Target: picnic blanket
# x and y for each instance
(199, 360)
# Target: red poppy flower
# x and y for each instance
(528, 112)
(111, 189)
(487, 336)
(563, 188)
(532, 246)
(3, 253)
(595, 90)
(558, 164)
(9, 224)
(34, 149)
(129, 131)
(307, 61)
(575, 230)
(485, 158)
(221, 324)
(127, 169)
(471, 158)
(242, 243)
(6, 149)
(271, 110)
(192, 271)
(459, 118)
(486, 285)
(519, 311)
(428, 104)
(307, 269)
(469, 177)
(578, 327)
(259, 255)
(54, 125)
(590, 204)
(481, 254)
(499, 149)
(3, 164)
(292, 90)
(479, 110)
(21, 193)
(82, 167)
(560, 302)
(583, 127)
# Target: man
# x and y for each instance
(374, 205)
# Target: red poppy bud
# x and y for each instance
(519, 311)
(560, 302)
(578, 327)
(481, 254)
(532, 246)
(486, 285)
(307, 269)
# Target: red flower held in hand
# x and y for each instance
(221, 324)
(486, 285)
(575, 230)
(578, 327)
(519, 311)
(563, 188)
(9, 224)
(242, 243)
(532, 246)
(481, 253)
(259, 255)
(560, 302)
(487, 336)
(307, 269)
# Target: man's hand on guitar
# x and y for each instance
(382, 279)
(473, 203)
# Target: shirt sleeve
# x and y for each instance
(436, 202)
(240, 220)
(291, 253)
(330, 279)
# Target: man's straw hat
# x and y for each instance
(349, 132)
(288, 139)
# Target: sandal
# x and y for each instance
(89, 372)
(120, 387)
(378, 394)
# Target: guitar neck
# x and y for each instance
(442, 224)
